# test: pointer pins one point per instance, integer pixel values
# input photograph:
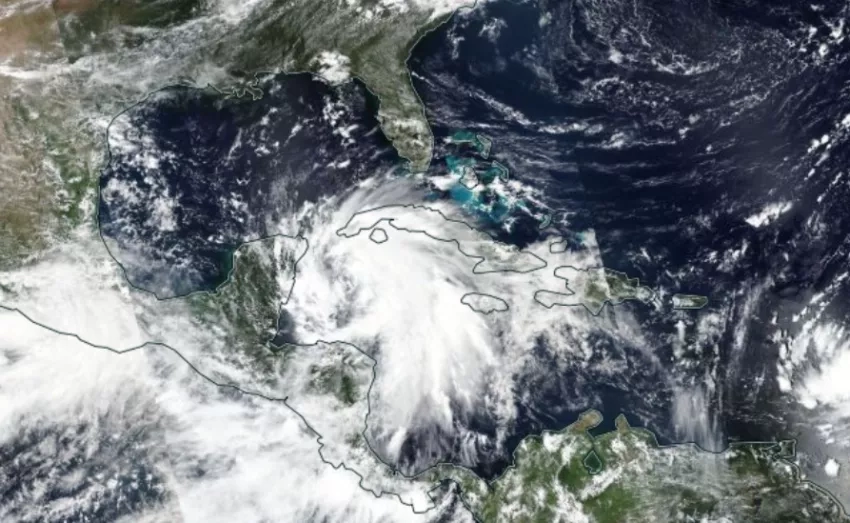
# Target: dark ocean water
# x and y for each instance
(664, 126)
(228, 167)
(84, 468)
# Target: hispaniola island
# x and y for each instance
(426, 261)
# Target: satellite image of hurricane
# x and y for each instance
(317, 261)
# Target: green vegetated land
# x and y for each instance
(624, 476)
(247, 307)
(568, 476)
(79, 62)
(369, 39)
(47, 172)
(245, 312)
(47, 185)
(612, 286)
(593, 288)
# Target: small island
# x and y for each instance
(481, 143)
(378, 235)
(484, 303)
(689, 301)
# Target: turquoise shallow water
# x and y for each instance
(664, 128)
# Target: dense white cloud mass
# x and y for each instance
(209, 455)
(161, 378)
(439, 362)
